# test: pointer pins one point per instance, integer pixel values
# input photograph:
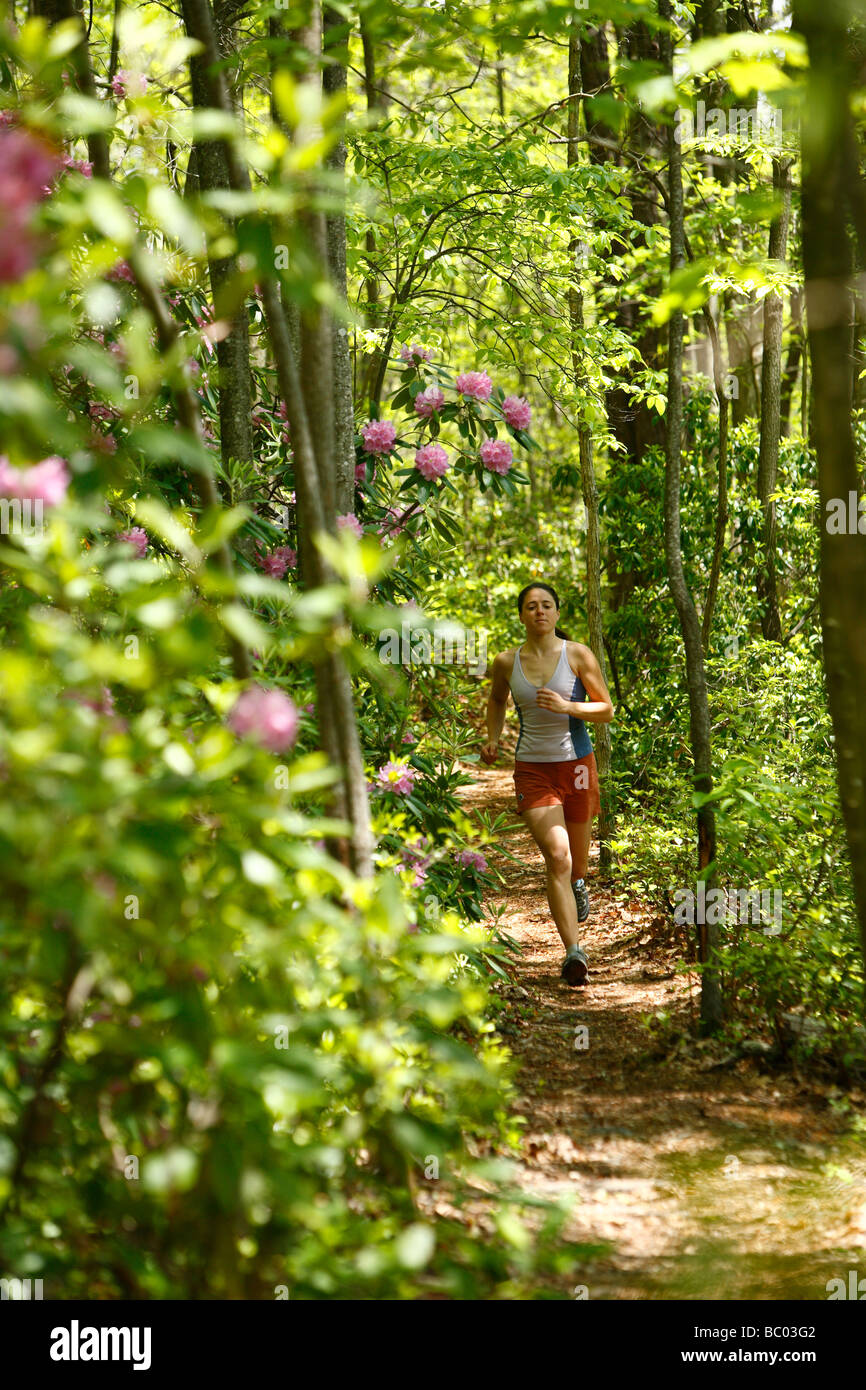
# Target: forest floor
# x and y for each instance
(739, 1182)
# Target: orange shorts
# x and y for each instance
(573, 785)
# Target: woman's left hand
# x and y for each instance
(549, 699)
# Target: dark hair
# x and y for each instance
(558, 632)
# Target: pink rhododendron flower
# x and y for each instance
(81, 166)
(475, 385)
(125, 83)
(517, 412)
(267, 716)
(379, 436)
(348, 522)
(431, 461)
(278, 561)
(496, 455)
(391, 523)
(136, 536)
(397, 777)
(27, 166)
(432, 398)
(413, 856)
(18, 256)
(471, 860)
(44, 482)
(121, 271)
(415, 353)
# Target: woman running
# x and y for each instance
(556, 685)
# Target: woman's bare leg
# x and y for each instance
(579, 839)
(547, 827)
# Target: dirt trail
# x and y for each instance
(735, 1184)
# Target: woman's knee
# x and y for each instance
(557, 857)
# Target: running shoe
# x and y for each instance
(581, 898)
(575, 966)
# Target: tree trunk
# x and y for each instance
(334, 81)
(793, 363)
(373, 368)
(771, 374)
(722, 488)
(233, 352)
(827, 269)
(606, 824)
(309, 408)
(699, 714)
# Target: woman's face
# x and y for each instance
(539, 612)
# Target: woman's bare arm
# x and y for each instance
(497, 705)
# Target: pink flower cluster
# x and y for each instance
(348, 522)
(120, 272)
(431, 399)
(413, 857)
(471, 860)
(45, 482)
(267, 716)
(475, 385)
(391, 523)
(496, 455)
(137, 537)
(397, 777)
(379, 436)
(27, 166)
(81, 166)
(126, 83)
(415, 353)
(517, 412)
(431, 461)
(277, 562)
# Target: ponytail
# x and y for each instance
(558, 632)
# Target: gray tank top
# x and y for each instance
(547, 737)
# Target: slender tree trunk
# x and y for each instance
(722, 472)
(827, 268)
(771, 374)
(793, 362)
(699, 714)
(606, 823)
(233, 351)
(372, 368)
(310, 413)
(334, 81)
(114, 52)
